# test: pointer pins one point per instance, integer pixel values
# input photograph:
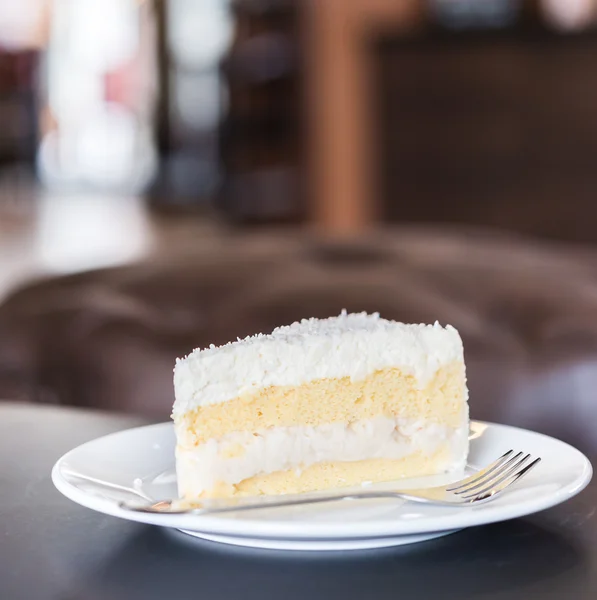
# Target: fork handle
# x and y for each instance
(223, 506)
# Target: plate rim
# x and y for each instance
(277, 529)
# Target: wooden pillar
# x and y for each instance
(343, 201)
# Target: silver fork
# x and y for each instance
(483, 486)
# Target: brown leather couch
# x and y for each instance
(527, 312)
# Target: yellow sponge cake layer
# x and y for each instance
(328, 475)
(343, 474)
(384, 392)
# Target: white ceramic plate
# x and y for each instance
(140, 463)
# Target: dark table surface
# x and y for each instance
(53, 549)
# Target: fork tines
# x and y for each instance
(494, 478)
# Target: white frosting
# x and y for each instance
(284, 448)
(353, 345)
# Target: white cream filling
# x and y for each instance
(241, 455)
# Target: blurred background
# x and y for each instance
(175, 173)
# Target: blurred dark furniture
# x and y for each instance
(414, 111)
(262, 132)
(496, 128)
(527, 313)
(18, 107)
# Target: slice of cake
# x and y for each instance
(320, 404)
